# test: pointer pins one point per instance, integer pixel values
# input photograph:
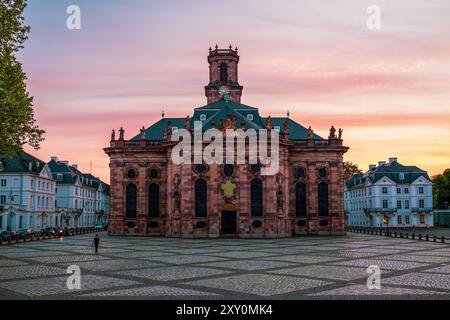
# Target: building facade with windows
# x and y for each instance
(390, 195)
(27, 193)
(82, 200)
(153, 195)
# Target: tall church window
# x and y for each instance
(256, 197)
(131, 200)
(300, 199)
(223, 72)
(153, 200)
(323, 199)
(201, 198)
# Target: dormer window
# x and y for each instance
(277, 128)
(174, 129)
(402, 176)
(59, 177)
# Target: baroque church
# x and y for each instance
(152, 195)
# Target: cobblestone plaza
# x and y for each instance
(168, 268)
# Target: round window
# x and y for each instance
(131, 173)
(300, 172)
(131, 224)
(323, 172)
(202, 117)
(200, 225)
(200, 168)
(228, 170)
(257, 224)
(323, 223)
(250, 117)
(301, 223)
(256, 168)
(153, 173)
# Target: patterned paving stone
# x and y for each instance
(58, 285)
(426, 259)
(303, 259)
(326, 272)
(10, 263)
(155, 291)
(187, 259)
(172, 273)
(348, 254)
(16, 272)
(383, 264)
(260, 284)
(140, 254)
(442, 269)
(248, 265)
(69, 258)
(377, 250)
(362, 290)
(241, 254)
(194, 251)
(428, 280)
(114, 265)
(440, 253)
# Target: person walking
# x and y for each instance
(96, 242)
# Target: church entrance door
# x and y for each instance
(229, 223)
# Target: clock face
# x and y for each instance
(223, 90)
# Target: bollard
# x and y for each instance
(395, 234)
(413, 236)
(420, 237)
(426, 237)
(1, 241)
(443, 240)
(407, 236)
(434, 238)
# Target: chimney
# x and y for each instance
(54, 158)
(380, 163)
(393, 159)
(65, 162)
(75, 166)
(372, 166)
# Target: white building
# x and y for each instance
(27, 194)
(82, 199)
(389, 195)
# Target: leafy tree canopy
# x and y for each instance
(17, 124)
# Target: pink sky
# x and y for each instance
(388, 89)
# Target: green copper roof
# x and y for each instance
(389, 170)
(218, 111)
(20, 162)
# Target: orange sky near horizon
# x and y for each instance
(388, 89)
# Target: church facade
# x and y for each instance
(153, 195)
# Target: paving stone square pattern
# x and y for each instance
(163, 268)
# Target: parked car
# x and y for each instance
(6, 235)
(59, 231)
(49, 231)
(99, 227)
(24, 233)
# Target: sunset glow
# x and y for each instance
(388, 89)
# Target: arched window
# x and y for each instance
(300, 199)
(153, 200)
(322, 197)
(256, 198)
(131, 200)
(201, 198)
(223, 72)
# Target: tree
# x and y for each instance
(441, 190)
(17, 124)
(350, 169)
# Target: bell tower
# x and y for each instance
(223, 75)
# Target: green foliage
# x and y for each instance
(441, 190)
(17, 124)
(350, 169)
